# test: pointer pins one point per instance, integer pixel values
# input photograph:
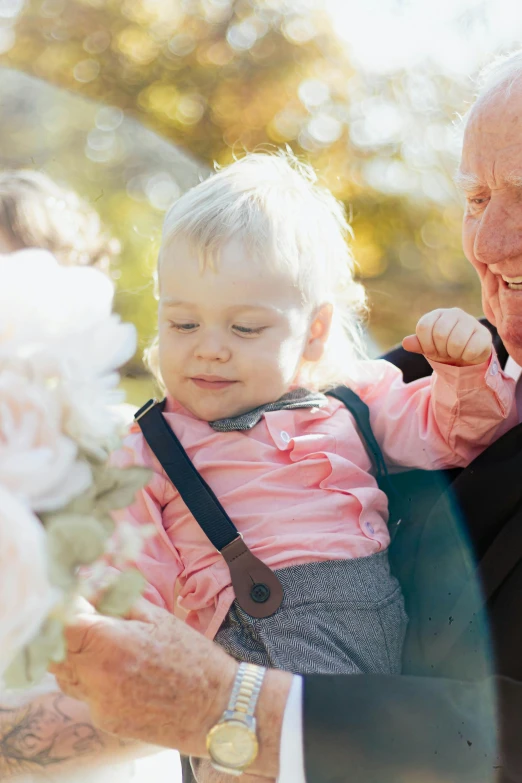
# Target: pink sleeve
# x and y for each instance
(443, 421)
(159, 560)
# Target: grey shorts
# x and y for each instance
(337, 617)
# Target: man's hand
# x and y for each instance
(452, 337)
(152, 678)
(147, 677)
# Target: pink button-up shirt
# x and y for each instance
(299, 485)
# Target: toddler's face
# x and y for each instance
(231, 339)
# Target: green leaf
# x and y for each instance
(117, 487)
(17, 674)
(31, 663)
(112, 488)
(108, 523)
(72, 540)
(82, 504)
(119, 598)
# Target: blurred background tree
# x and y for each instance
(211, 78)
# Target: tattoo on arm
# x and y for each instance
(44, 733)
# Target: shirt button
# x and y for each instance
(494, 368)
(285, 437)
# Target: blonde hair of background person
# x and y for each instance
(37, 212)
(251, 201)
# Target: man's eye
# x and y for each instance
(248, 330)
(182, 327)
(478, 201)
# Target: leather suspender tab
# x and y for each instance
(258, 590)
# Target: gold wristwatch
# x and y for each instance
(232, 742)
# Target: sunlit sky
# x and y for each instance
(457, 35)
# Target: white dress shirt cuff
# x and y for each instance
(291, 758)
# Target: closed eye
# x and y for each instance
(183, 327)
(248, 331)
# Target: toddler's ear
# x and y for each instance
(318, 333)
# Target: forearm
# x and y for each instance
(54, 733)
(270, 712)
(447, 421)
(154, 678)
(472, 406)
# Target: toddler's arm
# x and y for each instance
(158, 561)
(448, 419)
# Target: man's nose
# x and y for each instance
(212, 346)
(499, 235)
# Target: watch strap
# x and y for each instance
(240, 710)
(245, 692)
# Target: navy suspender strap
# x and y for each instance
(194, 490)
(361, 414)
(258, 590)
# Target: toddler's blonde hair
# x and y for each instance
(274, 203)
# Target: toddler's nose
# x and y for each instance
(211, 347)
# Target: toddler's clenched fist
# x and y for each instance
(450, 336)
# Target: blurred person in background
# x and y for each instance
(37, 212)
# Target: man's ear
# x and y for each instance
(318, 333)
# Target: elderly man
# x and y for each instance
(153, 679)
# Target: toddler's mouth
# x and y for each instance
(212, 382)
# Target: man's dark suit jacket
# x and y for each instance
(439, 725)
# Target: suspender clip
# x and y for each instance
(146, 408)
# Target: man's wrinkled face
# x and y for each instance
(491, 177)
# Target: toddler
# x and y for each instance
(258, 316)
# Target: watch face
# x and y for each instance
(232, 744)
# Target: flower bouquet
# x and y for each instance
(60, 348)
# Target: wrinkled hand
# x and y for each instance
(450, 336)
(149, 677)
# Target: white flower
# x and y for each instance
(38, 463)
(88, 382)
(39, 299)
(60, 349)
(56, 327)
(27, 595)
